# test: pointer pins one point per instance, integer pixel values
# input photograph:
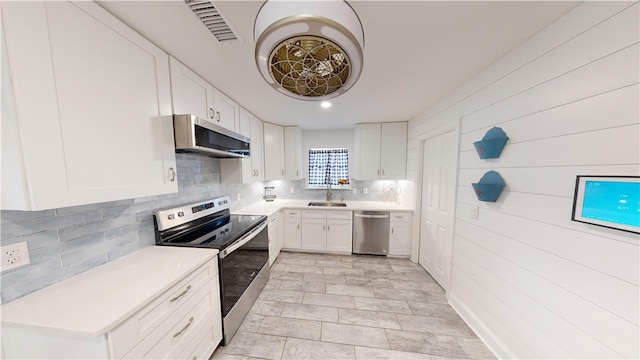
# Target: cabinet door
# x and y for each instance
(273, 152)
(339, 235)
(274, 242)
(94, 106)
(257, 163)
(241, 170)
(293, 153)
(190, 94)
(226, 111)
(393, 156)
(367, 152)
(314, 234)
(400, 234)
(292, 234)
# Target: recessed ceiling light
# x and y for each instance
(326, 104)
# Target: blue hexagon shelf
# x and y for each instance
(489, 187)
(492, 143)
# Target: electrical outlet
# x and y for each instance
(365, 190)
(14, 255)
(474, 213)
(355, 191)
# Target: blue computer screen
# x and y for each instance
(612, 201)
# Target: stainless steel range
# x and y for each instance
(242, 240)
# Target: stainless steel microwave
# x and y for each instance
(196, 135)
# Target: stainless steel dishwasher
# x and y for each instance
(371, 232)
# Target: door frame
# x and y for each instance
(417, 213)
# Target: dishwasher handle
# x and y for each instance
(371, 216)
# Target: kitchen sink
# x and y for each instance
(337, 204)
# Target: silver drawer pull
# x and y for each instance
(184, 328)
(181, 294)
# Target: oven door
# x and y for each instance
(243, 274)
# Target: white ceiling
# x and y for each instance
(416, 52)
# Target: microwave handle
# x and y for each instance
(245, 239)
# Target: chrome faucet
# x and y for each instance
(329, 193)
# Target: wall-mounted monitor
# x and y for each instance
(609, 201)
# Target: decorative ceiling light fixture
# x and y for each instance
(309, 50)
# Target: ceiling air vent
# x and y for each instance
(211, 18)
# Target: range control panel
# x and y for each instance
(169, 218)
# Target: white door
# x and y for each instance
(437, 215)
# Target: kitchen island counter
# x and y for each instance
(269, 208)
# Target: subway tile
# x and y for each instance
(126, 249)
(79, 209)
(354, 335)
(13, 216)
(368, 318)
(310, 312)
(392, 306)
(352, 290)
(290, 327)
(32, 226)
(303, 286)
(329, 300)
(368, 353)
(296, 349)
(39, 240)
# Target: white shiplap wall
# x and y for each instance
(532, 283)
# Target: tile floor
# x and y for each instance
(320, 306)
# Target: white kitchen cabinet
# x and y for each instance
(293, 153)
(400, 234)
(133, 314)
(86, 108)
(327, 230)
(292, 232)
(246, 170)
(380, 151)
(314, 234)
(274, 237)
(227, 111)
(273, 152)
(190, 94)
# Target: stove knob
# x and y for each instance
(180, 213)
(172, 216)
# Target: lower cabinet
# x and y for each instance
(326, 230)
(274, 237)
(400, 234)
(292, 234)
(184, 321)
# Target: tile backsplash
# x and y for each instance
(67, 241)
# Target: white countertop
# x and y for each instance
(269, 208)
(94, 302)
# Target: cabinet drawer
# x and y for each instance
(314, 214)
(339, 214)
(291, 213)
(203, 344)
(403, 217)
(174, 335)
(141, 324)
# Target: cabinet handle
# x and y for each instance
(323, 227)
(181, 294)
(382, 172)
(218, 116)
(297, 172)
(392, 229)
(184, 328)
(328, 228)
(378, 172)
(210, 113)
(298, 226)
(282, 172)
(172, 174)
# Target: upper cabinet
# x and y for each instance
(380, 151)
(246, 170)
(273, 152)
(293, 153)
(191, 94)
(226, 111)
(86, 108)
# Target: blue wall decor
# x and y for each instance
(489, 187)
(492, 143)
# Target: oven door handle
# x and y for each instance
(245, 239)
